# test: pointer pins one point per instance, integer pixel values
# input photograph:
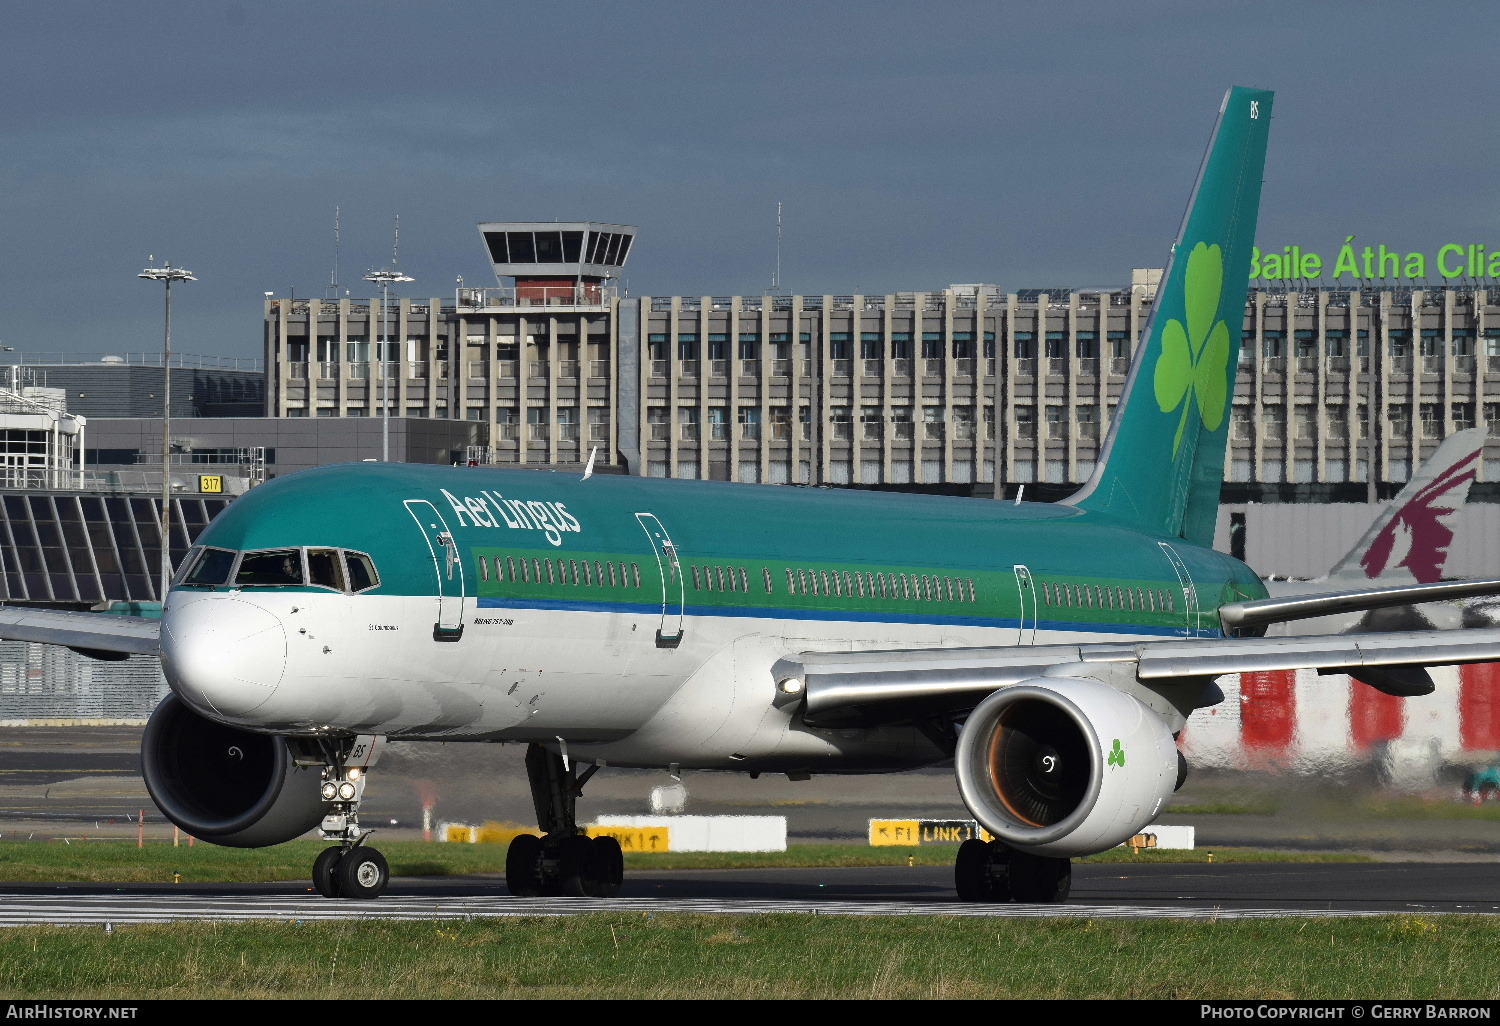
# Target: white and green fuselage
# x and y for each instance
(644, 617)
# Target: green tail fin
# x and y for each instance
(1162, 465)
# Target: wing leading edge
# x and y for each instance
(843, 688)
(99, 635)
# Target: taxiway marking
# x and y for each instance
(64, 910)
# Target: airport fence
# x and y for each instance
(46, 685)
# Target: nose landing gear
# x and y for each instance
(349, 869)
(563, 861)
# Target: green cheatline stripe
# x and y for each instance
(995, 593)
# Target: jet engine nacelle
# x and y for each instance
(225, 785)
(1064, 766)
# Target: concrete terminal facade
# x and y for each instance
(965, 388)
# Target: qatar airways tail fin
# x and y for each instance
(1409, 541)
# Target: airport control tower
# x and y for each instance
(563, 263)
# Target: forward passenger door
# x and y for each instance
(447, 567)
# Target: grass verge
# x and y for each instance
(620, 955)
(157, 862)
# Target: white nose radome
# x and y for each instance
(222, 653)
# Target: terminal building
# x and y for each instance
(965, 389)
(130, 384)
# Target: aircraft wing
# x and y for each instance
(1257, 613)
(850, 688)
(99, 635)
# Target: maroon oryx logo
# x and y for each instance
(1416, 536)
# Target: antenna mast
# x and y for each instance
(776, 274)
(333, 278)
(396, 246)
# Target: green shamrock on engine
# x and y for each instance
(1194, 360)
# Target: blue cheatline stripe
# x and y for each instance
(831, 615)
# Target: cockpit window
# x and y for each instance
(278, 567)
(325, 569)
(211, 567)
(362, 573)
(335, 569)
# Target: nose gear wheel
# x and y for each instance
(351, 868)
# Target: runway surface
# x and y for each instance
(1224, 891)
(85, 781)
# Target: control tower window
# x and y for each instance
(496, 243)
(572, 243)
(625, 241)
(522, 250)
(549, 247)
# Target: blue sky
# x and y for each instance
(913, 145)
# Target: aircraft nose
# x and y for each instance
(223, 653)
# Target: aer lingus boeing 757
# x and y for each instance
(1051, 651)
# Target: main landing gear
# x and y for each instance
(349, 869)
(563, 861)
(992, 872)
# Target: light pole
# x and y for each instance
(166, 275)
(385, 279)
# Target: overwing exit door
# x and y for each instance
(669, 632)
(446, 566)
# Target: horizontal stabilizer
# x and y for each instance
(97, 635)
(1240, 617)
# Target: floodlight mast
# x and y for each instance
(166, 275)
(385, 279)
